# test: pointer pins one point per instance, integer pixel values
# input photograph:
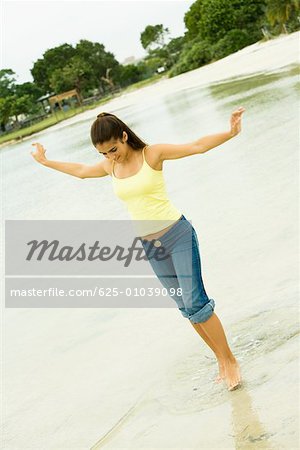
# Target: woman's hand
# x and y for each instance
(235, 121)
(39, 153)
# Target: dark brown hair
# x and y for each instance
(108, 126)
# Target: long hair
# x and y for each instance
(108, 126)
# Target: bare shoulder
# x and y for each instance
(153, 156)
(100, 169)
(107, 165)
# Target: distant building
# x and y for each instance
(44, 100)
(131, 60)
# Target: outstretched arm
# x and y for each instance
(202, 145)
(75, 169)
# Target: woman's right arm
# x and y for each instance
(75, 169)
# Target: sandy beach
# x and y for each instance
(92, 378)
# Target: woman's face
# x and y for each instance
(115, 149)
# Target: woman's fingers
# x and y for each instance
(39, 147)
(236, 118)
(237, 115)
(238, 111)
(39, 153)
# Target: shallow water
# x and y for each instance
(73, 375)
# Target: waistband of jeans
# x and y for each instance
(168, 233)
(181, 224)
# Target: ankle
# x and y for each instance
(227, 359)
(231, 360)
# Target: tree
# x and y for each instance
(53, 59)
(15, 98)
(7, 82)
(192, 19)
(129, 74)
(75, 75)
(99, 61)
(280, 11)
(232, 42)
(195, 54)
(153, 36)
(173, 50)
(212, 20)
(175, 45)
(5, 112)
(30, 89)
(14, 106)
(20, 105)
(82, 66)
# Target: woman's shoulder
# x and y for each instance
(108, 166)
(152, 157)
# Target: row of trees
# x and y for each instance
(16, 99)
(217, 28)
(214, 29)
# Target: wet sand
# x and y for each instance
(185, 409)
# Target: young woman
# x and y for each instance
(137, 176)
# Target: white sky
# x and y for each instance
(29, 28)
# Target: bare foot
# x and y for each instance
(221, 375)
(232, 374)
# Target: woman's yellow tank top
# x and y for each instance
(145, 196)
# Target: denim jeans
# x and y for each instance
(180, 267)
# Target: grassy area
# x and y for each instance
(49, 121)
(144, 83)
(60, 115)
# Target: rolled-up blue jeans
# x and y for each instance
(179, 270)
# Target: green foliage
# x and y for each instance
(75, 75)
(175, 45)
(150, 65)
(97, 61)
(232, 42)
(192, 19)
(217, 28)
(53, 59)
(284, 14)
(5, 111)
(173, 50)
(20, 105)
(134, 73)
(165, 56)
(16, 99)
(212, 20)
(14, 105)
(7, 82)
(129, 74)
(67, 60)
(153, 36)
(30, 89)
(194, 54)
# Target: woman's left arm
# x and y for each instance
(202, 145)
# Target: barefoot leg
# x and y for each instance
(210, 343)
(213, 330)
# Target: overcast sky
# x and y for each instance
(29, 28)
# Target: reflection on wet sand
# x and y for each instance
(248, 431)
